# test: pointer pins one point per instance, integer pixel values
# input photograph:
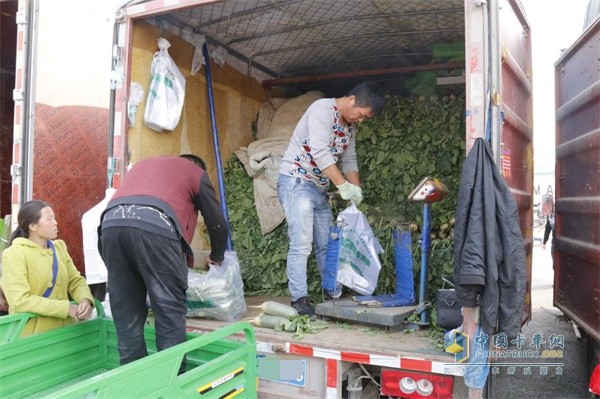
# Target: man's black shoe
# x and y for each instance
(303, 307)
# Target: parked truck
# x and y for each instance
(286, 47)
(577, 234)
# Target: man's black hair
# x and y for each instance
(195, 159)
(368, 94)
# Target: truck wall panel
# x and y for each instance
(515, 136)
(578, 275)
(69, 166)
(8, 32)
(237, 101)
(577, 242)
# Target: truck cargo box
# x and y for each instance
(286, 48)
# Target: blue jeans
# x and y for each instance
(308, 216)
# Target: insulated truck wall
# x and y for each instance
(285, 48)
(577, 240)
(60, 89)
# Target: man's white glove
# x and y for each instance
(357, 197)
(352, 192)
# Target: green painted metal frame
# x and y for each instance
(82, 360)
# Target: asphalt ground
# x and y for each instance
(532, 376)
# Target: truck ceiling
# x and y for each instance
(294, 41)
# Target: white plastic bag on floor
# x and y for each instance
(166, 91)
(218, 294)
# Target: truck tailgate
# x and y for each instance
(340, 336)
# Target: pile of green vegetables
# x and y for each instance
(412, 139)
(282, 317)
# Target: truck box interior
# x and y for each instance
(283, 49)
(287, 48)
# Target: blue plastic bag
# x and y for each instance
(478, 365)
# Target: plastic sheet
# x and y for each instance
(219, 293)
(95, 269)
(136, 95)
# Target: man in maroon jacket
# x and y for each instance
(144, 240)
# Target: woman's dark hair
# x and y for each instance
(195, 159)
(29, 213)
(368, 94)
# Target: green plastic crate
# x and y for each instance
(82, 361)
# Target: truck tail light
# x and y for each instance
(410, 385)
(595, 380)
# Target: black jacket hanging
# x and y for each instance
(489, 256)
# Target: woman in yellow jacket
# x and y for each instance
(38, 274)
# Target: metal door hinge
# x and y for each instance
(17, 95)
(21, 18)
(16, 170)
(496, 99)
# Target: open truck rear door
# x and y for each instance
(499, 101)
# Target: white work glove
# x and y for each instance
(357, 197)
(352, 192)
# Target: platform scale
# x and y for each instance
(390, 311)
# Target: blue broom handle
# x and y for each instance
(217, 148)
(425, 248)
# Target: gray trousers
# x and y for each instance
(139, 263)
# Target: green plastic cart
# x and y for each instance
(82, 361)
